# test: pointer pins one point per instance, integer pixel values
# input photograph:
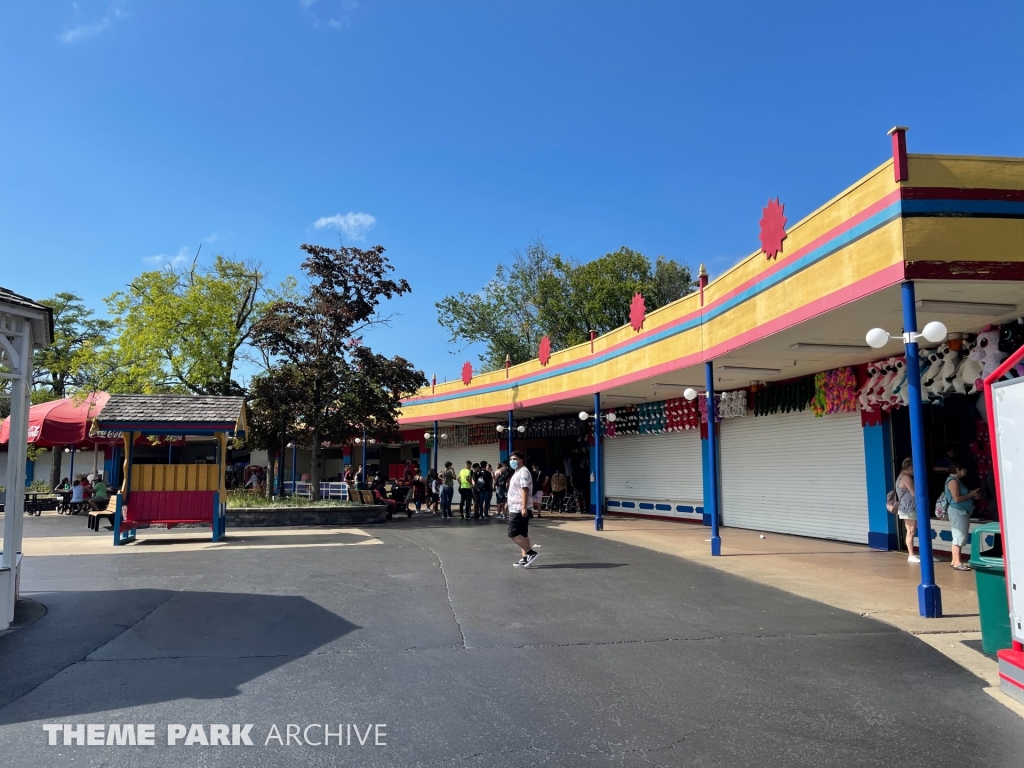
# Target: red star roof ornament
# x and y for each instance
(637, 312)
(544, 352)
(773, 228)
(467, 372)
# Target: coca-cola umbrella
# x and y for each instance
(60, 423)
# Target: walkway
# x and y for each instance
(605, 654)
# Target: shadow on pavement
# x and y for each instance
(579, 566)
(95, 651)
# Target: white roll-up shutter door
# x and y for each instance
(458, 455)
(657, 475)
(794, 473)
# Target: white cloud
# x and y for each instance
(180, 259)
(334, 13)
(81, 32)
(213, 237)
(84, 31)
(353, 225)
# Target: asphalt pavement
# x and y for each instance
(603, 654)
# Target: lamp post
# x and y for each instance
(598, 469)
(363, 441)
(929, 596)
(294, 452)
(691, 394)
(436, 438)
(510, 429)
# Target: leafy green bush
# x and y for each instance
(36, 486)
(250, 500)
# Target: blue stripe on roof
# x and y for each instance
(965, 207)
(791, 268)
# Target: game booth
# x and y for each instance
(192, 491)
(1005, 405)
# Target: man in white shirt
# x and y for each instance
(520, 491)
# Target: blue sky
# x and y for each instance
(453, 133)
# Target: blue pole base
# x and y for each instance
(716, 546)
(929, 600)
(599, 523)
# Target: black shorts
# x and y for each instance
(519, 525)
(501, 494)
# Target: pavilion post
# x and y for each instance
(929, 596)
(598, 467)
(21, 387)
(709, 381)
(436, 439)
(510, 434)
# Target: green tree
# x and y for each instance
(548, 294)
(325, 385)
(60, 368)
(184, 330)
(505, 314)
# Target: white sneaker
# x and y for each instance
(913, 559)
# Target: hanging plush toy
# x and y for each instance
(896, 392)
(931, 388)
(888, 368)
(864, 398)
(986, 351)
(1011, 338)
(968, 372)
(894, 367)
(947, 375)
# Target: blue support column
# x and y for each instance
(878, 467)
(705, 480)
(436, 440)
(929, 597)
(510, 434)
(716, 539)
(598, 466)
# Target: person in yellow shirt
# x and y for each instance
(466, 491)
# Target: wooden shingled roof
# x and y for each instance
(127, 412)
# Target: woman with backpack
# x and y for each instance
(906, 505)
(960, 503)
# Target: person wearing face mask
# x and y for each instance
(520, 493)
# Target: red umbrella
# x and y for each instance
(61, 422)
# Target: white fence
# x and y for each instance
(327, 490)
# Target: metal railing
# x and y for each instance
(327, 490)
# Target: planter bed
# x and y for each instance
(353, 514)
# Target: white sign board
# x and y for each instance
(1008, 407)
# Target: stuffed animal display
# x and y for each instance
(656, 418)
(702, 406)
(732, 405)
(791, 396)
(986, 351)
(835, 391)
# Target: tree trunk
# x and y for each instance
(314, 467)
(56, 455)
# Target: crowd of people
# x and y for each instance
(85, 491)
(482, 490)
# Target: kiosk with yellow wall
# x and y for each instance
(172, 494)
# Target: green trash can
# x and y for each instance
(990, 575)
